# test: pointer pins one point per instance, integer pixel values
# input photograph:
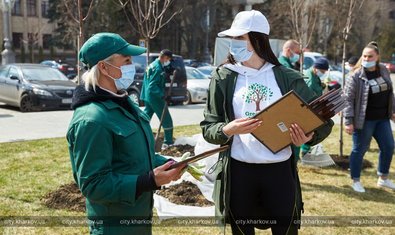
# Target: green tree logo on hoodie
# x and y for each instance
(256, 93)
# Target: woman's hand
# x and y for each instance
(393, 117)
(241, 126)
(297, 135)
(164, 176)
(349, 129)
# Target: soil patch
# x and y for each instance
(67, 197)
(185, 193)
(178, 150)
(344, 162)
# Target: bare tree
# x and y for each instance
(303, 20)
(79, 19)
(150, 17)
(354, 5)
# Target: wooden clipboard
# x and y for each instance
(278, 117)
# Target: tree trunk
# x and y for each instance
(257, 106)
(343, 85)
(80, 40)
(147, 41)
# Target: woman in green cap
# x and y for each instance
(111, 143)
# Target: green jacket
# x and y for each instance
(154, 83)
(313, 82)
(219, 112)
(285, 61)
(109, 148)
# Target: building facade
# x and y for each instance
(31, 32)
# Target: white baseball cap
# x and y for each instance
(245, 22)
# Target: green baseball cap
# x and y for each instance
(103, 45)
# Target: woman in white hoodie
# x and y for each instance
(256, 188)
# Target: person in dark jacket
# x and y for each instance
(252, 182)
(111, 144)
(370, 107)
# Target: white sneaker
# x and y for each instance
(357, 186)
(386, 183)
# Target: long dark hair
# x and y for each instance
(261, 45)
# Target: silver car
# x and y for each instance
(197, 86)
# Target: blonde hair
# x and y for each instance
(291, 44)
(91, 77)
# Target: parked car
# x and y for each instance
(195, 63)
(207, 70)
(35, 87)
(198, 85)
(66, 69)
(390, 66)
(179, 90)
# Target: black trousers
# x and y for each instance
(262, 196)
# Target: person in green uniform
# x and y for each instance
(289, 58)
(111, 144)
(315, 75)
(154, 96)
(290, 54)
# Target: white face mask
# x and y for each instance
(238, 49)
(320, 74)
(127, 76)
(166, 63)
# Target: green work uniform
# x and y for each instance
(153, 95)
(109, 148)
(285, 61)
(219, 112)
(314, 82)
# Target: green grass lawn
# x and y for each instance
(29, 170)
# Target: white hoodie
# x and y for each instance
(255, 90)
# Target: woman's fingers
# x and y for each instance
(249, 126)
(297, 135)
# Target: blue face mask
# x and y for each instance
(127, 77)
(368, 64)
(320, 74)
(295, 57)
(238, 49)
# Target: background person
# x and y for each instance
(154, 95)
(315, 82)
(254, 182)
(290, 54)
(370, 106)
(111, 143)
(315, 75)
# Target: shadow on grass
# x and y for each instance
(373, 150)
(371, 194)
(324, 171)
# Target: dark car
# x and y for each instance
(34, 87)
(195, 63)
(179, 90)
(65, 68)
